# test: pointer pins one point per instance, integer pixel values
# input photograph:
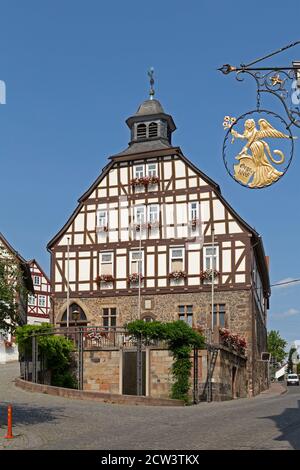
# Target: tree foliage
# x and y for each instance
(11, 289)
(290, 367)
(181, 338)
(276, 345)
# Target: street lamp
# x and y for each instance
(75, 315)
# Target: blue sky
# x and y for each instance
(75, 70)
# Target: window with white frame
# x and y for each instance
(139, 171)
(152, 169)
(211, 259)
(194, 210)
(176, 259)
(137, 262)
(102, 218)
(36, 280)
(139, 214)
(153, 213)
(42, 301)
(31, 299)
(106, 263)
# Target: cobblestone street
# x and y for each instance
(270, 421)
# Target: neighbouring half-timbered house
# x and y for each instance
(39, 303)
(146, 226)
(15, 262)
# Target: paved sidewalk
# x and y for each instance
(276, 388)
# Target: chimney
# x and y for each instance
(268, 262)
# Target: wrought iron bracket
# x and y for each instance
(281, 82)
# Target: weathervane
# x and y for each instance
(255, 170)
(151, 76)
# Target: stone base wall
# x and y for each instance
(102, 371)
(164, 307)
(230, 376)
(160, 374)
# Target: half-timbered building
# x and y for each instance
(14, 262)
(39, 303)
(140, 245)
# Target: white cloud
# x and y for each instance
(290, 282)
(291, 312)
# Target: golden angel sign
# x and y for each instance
(257, 165)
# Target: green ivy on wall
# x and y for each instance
(181, 339)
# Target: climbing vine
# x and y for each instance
(181, 339)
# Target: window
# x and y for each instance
(153, 214)
(139, 214)
(102, 218)
(153, 129)
(141, 131)
(36, 280)
(194, 211)
(139, 171)
(136, 262)
(31, 299)
(176, 259)
(42, 300)
(210, 257)
(152, 169)
(106, 263)
(109, 317)
(186, 314)
(219, 315)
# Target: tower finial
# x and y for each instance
(151, 74)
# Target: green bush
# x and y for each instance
(181, 339)
(57, 351)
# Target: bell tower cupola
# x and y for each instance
(150, 123)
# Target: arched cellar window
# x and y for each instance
(81, 321)
(153, 129)
(141, 131)
(148, 318)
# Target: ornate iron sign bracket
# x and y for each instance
(281, 82)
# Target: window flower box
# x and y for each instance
(144, 181)
(134, 278)
(8, 344)
(104, 278)
(208, 274)
(102, 228)
(194, 223)
(177, 275)
(153, 225)
(146, 226)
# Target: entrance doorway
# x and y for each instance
(129, 385)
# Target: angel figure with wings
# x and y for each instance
(257, 163)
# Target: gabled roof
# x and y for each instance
(23, 264)
(34, 261)
(257, 240)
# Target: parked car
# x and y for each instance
(292, 379)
